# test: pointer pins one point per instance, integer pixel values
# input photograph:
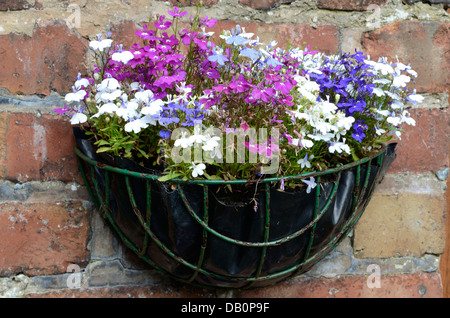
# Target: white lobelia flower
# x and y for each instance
(108, 85)
(415, 98)
(128, 110)
(136, 125)
(197, 170)
(108, 108)
(339, 147)
(81, 83)
(144, 96)
(153, 108)
(401, 80)
(99, 44)
(78, 118)
(306, 143)
(407, 119)
(211, 143)
(111, 96)
(199, 139)
(183, 141)
(378, 91)
(76, 96)
(122, 56)
(379, 131)
(394, 120)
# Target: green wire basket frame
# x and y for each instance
(101, 201)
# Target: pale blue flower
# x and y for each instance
(311, 184)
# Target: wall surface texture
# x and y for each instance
(49, 229)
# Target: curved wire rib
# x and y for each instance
(260, 244)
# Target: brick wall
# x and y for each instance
(48, 226)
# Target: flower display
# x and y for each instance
(194, 104)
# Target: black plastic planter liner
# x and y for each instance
(191, 234)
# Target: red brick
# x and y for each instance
(348, 5)
(3, 130)
(426, 285)
(424, 147)
(324, 38)
(424, 44)
(48, 60)
(40, 148)
(14, 5)
(263, 4)
(125, 33)
(42, 238)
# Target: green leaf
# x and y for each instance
(355, 157)
(104, 149)
(101, 142)
(168, 177)
(213, 177)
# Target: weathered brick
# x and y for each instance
(401, 224)
(350, 40)
(48, 60)
(424, 147)
(13, 5)
(324, 37)
(40, 148)
(263, 4)
(125, 33)
(3, 130)
(348, 5)
(42, 238)
(423, 44)
(420, 285)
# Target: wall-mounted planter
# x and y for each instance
(185, 230)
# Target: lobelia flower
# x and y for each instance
(81, 83)
(162, 24)
(165, 134)
(311, 184)
(197, 170)
(304, 162)
(211, 143)
(218, 58)
(108, 108)
(122, 56)
(75, 96)
(99, 44)
(339, 147)
(282, 184)
(235, 39)
(176, 12)
(153, 108)
(62, 110)
(78, 117)
(136, 124)
(183, 141)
